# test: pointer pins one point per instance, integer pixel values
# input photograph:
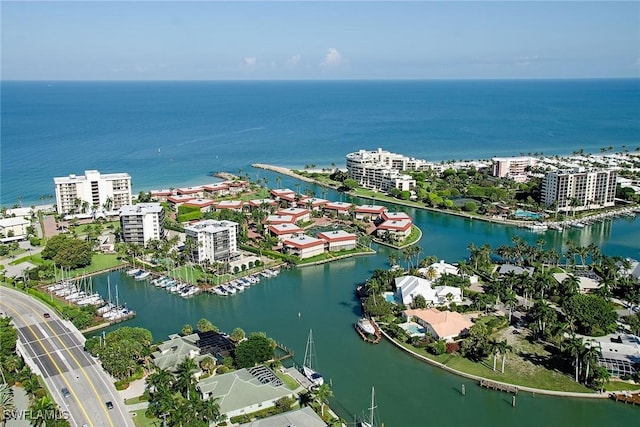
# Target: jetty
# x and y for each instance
(498, 386)
(626, 397)
(372, 339)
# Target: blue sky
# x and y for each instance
(146, 40)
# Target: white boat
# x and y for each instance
(133, 271)
(556, 227)
(366, 326)
(309, 365)
(142, 275)
(577, 225)
(538, 227)
(230, 289)
(219, 290)
(370, 421)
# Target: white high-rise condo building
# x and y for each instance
(381, 170)
(92, 192)
(142, 222)
(578, 189)
(213, 241)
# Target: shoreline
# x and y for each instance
(599, 215)
(519, 388)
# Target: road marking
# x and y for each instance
(80, 405)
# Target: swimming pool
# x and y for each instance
(390, 297)
(413, 328)
(526, 214)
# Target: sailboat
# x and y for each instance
(370, 421)
(309, 365)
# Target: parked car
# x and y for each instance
(109, 405)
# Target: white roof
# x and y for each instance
(141, 209)
(13, 221)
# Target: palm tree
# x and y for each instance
(601, 377)
(504, 348)
(431, 273)
(207, 364)
(574, 347)
(494, 350)
(31, 385)
(43, 405)
(590, 355)
(393, 259)
(323, 393)
(185, 382)
(210, 410)
(159, 381)
(6, 400)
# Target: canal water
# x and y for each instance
(408, 392)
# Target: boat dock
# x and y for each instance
(626, 397)
(498, 386)
(367, 338)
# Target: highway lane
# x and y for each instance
(57, 349)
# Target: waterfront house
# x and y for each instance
(303, 246)
(175, 350)
(437, 269)
(284, 231)
(586, 283)
(14, 228)
(369, 212)
(337, 208)
(298, 214)
(244, 391)
(234, 205)
(408, 287)
(339, 240)
(510, 268)
(305, 416)
(216, 190)
(441, 325)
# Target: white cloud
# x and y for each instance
(294, 61)
(332, 58)
(249, 61)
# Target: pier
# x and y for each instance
(498, 386)
(626, 397)
(366, 337)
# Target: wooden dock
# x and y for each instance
(626, 397)
(498, 386)
(367, 338)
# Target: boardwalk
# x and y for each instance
(498, 386)
(626, 397)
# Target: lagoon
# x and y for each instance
(408, 392)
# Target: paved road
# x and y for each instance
(56, 349)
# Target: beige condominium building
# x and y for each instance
(92, 192)
(512, 167)
(579, 189)
(382, 170)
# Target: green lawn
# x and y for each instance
(288, 380)
(99, 262)
(621, 385)
(137, 399)
(33, 259)
(518, 371)
(140, 420)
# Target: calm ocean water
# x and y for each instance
(176, 133)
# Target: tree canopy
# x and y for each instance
(68, 252)
(255, 349)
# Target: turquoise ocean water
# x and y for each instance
(176, 133)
